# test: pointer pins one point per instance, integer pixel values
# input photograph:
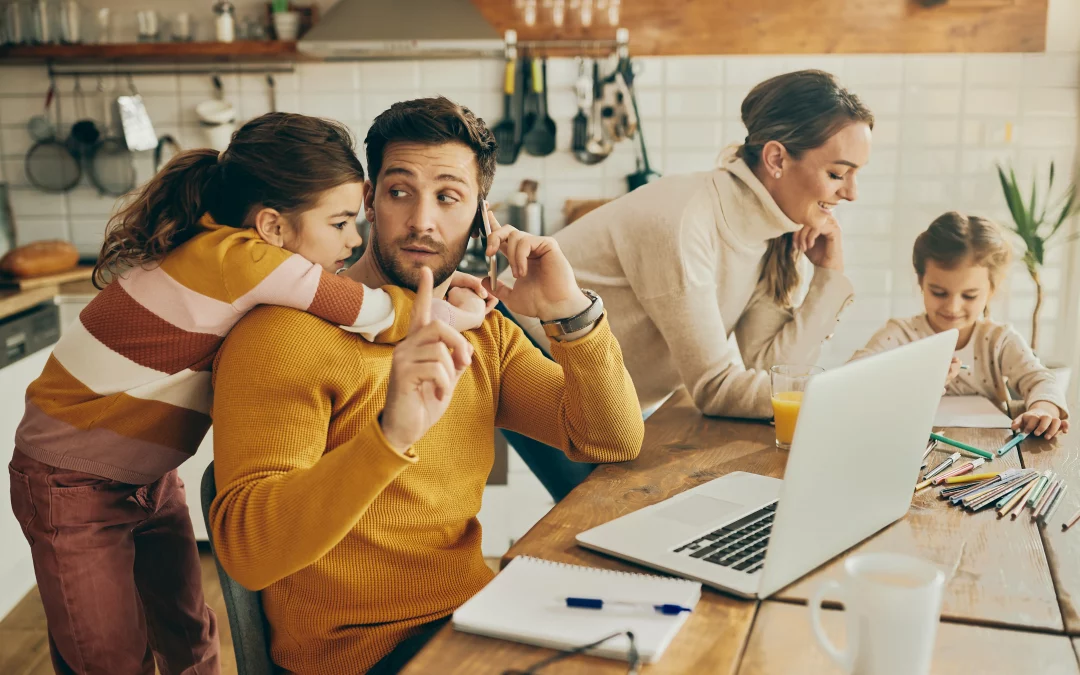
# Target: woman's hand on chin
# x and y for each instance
(822, 244)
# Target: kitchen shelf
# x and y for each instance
(142, 52)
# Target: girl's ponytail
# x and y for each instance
(160, 216)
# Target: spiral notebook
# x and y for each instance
(526, 602)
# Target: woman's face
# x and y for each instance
(810, 187)
(326, 233)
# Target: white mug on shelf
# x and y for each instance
(892, 604)
(286, 25)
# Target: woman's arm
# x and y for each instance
(769, 334)
(710, 368)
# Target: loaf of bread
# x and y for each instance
(39, 258)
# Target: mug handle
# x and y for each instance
(842, 658)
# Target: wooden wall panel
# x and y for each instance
(669, 27)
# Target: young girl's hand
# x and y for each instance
(465, 280)
(954, 370)
(469, 308)
(1042, 419)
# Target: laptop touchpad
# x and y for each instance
(699, 510)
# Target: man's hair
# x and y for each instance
(432, 121)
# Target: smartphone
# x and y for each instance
(483, 225)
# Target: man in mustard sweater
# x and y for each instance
(349, 473)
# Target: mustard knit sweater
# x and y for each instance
(353, 544)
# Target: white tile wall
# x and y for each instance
(943, 123)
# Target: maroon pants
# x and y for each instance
(118, 572)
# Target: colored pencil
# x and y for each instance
(1005, 490)
(970, 478)
(999, 497)
(958, 471)
(1040, 485)
(1014, 505)
(1047, 494)
(1051, 495)
(964, 446)
(1072, 521)
(945, 464)
(1013, 442)
(1054, 504)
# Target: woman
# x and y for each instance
(684, 262)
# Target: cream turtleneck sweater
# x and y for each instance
(677, 263)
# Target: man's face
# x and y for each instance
(422, 209)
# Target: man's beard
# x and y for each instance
(407, 275)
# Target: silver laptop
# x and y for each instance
(852, 470)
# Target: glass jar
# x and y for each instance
(45, 19)
(225, 21)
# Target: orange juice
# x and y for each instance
(786, 410)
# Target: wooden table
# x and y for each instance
(1010, 575)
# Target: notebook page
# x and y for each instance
(526, 602)
(973, 412)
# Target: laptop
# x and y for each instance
(852, 470)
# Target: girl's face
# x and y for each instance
(326, 233)
(957, 297)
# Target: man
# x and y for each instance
(350, 474)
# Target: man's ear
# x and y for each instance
(270, 225)
(369, 201)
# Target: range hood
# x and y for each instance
(386, 29)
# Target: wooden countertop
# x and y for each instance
(13, 301)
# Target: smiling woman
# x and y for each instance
(686, 261)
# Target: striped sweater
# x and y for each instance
(126, 393)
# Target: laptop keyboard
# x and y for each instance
(739, 545)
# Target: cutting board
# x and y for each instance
(76, 274)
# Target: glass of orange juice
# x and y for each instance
(788, 385)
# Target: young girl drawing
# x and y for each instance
(961, 262)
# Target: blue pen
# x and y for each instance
(596, 603)
(1013, 442)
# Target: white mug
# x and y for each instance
(892, 603)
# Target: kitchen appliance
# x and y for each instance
(27, 332)
(405, 28)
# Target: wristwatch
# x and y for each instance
(559, 327)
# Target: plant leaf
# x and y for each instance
(1012, 200)
(1066, 211)
(1031, 205)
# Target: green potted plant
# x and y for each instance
(286, 22)
(1038, 225)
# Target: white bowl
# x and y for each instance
(216, 112)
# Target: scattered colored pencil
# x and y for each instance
(1013, 442)
(964, 446)
(1072, 521)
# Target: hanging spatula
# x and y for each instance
(540, 139)
(583, 89)
(506, 130)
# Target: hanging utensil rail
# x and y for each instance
(181, 70)
(619, 46)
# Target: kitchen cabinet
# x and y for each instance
(664, 28)
(16, 565)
